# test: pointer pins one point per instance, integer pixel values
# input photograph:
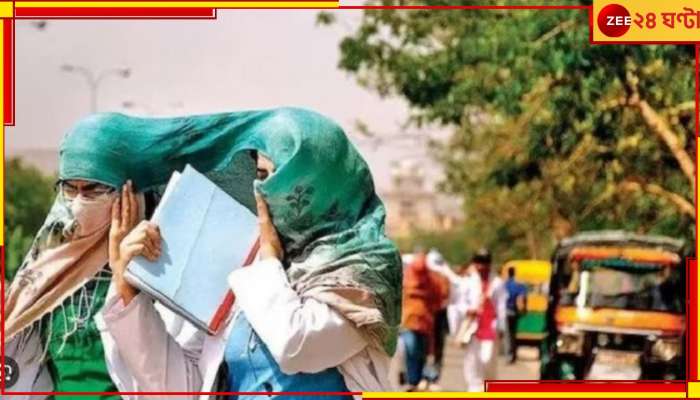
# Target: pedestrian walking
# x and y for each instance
(421, 299)
(433, 369)
(515, 307)
(481, 355)
(484, 309)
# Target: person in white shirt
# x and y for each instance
(463, 293)
(483, 299)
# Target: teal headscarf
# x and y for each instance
(321, 195)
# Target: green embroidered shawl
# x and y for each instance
(321, 195)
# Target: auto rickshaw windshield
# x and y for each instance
(624, 285)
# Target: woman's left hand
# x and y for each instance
(270, 243)
(125, 216)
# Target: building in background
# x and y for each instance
(414, 206)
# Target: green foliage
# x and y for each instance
(325, 18)
(18, 244)
(28, 197)
(547, 138)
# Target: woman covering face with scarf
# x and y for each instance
(61, 285)
(318, 311)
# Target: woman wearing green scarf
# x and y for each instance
(317, 312)
(51, 340)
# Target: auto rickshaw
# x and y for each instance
(535, 275)
(616, 308)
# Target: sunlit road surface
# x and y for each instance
(452, 379)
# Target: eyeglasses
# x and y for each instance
(90, 191)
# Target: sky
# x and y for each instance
(245, 59)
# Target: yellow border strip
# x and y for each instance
(6, 9)
(178, 4)
(693, 389)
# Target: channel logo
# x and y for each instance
(614, 20)
(11, 372)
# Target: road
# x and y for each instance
(452, 379)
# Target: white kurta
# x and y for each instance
(303, 335)
(465, 291)
(480, 357)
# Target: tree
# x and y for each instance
(552, 135)
(28, 197)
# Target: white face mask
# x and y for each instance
(90, 215)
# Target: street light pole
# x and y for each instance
(93, 80)
(135, 105)
(132, 105)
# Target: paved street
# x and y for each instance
(452, 378)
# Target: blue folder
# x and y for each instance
(206, 234)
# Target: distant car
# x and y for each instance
(616, 308)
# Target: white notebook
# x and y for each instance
(206, 234)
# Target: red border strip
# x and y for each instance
(8, 26)
(692, 318)
(125, 12)
(320, 394)
(697, 98)
(2, 309)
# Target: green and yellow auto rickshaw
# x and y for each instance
(616, 308)
(535, 275)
